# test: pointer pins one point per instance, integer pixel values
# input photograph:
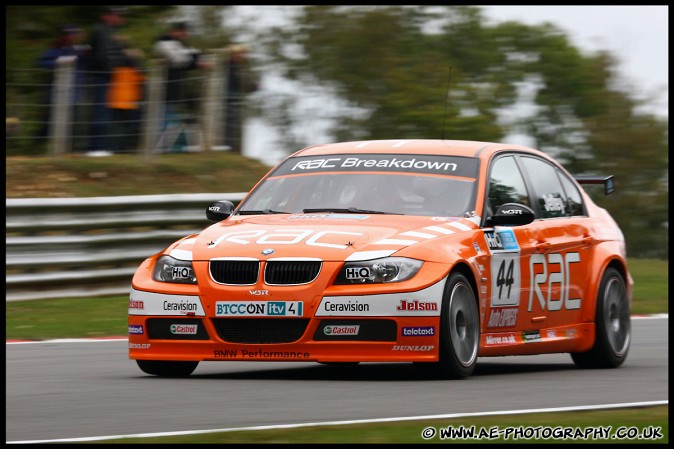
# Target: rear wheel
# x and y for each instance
(612, 325)
(167, 369)
(459, 331)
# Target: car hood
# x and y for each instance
(328, 236)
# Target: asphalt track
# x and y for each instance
(61, 390)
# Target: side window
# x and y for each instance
(506, 184)
(573, 198)
(547, 187)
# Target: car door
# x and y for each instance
(510, 250)
(559, 265)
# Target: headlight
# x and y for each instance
(168, 269)
(388, 269)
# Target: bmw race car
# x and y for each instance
(427, 251)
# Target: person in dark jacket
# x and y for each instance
(106, 53)
(240, 82)
(66, 45)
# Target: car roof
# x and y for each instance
(464, 148)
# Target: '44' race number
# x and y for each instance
(505, 278)
(505, 275)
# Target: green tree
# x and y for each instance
(430, 72)
(634, 148)
(381, 60)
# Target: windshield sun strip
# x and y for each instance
(458, 178)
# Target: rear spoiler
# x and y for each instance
(607, 181)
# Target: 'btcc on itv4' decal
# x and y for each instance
(258, 308)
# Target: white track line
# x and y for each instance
(359, 421)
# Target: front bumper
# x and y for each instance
(321, 339)
(392, 327)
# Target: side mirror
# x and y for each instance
(512, 214)
(219, 210)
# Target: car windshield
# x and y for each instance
(364, 190)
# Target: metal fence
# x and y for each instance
(80, 247)
(55, 111)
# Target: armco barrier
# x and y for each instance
(79, 247)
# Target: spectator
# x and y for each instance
(124, 99)
(240, 82)
(179, 59)
(106, 54)
(67, 44)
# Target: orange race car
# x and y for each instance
(428, 251)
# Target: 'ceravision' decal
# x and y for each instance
(148, 303)
(426, 302)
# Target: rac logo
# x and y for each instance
(307, 237)
(549, 274)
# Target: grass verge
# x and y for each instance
(130, 174)
(651, 285)
(645, 425)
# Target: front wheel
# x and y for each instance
(167, 369)
(459, 331)
(612, 325)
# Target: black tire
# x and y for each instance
(167, 369)
(459, 331)
(612, 325)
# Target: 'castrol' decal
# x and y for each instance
(341, 329)
(184, 329)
